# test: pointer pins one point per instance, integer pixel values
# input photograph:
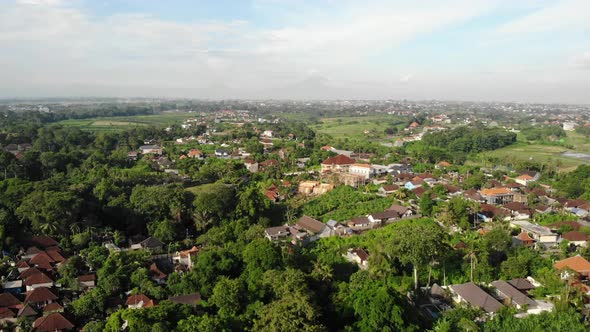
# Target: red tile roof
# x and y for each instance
(53, 307)
(40, 294)
(41, 258)
(339, 160)
(575, 236)
(6, 313)
(9, 300)
(52, 322)
(576, 263)
(37, 279)
(44, 241)
(140, 298)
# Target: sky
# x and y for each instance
(478, 50)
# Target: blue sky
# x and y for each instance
(496, 50)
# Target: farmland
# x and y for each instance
(355, 127)
(127, 122)
(543, 153)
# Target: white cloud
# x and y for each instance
(58, 47)
(582, 61)
(560, 15)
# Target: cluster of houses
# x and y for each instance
(32, 289)
(498, 294)
(18, 150)
(308, 229)
(491, 298)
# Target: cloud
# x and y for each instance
(60, 47)
(582, 61)
(560, 15)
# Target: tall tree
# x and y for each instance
(418, 244)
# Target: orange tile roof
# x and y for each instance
(524, 237)
(495, 191)
(576, 263)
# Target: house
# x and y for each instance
(340, 163)
(22, 266)
(87, 280)
(576, 263)
(268, 164)
(251, 165)
(323, 188)
(189, 299)
(194, 153)
(358, 256)
(8, 300)
(363, 170)
(443, 164)
(523, 285)
(267, 133)
(164, 162)
(315, 229)
(138, 301)
(157, 275)
(14, 287)
(26, 311)
(576, 237)
(276, 233)
(44, 242)
(523, 239)
(40, 297)
(132, 155)
(272, 193)
(359, 223)
(185, 257)
(382, 218)
(150, 149)
(524, 179)
(53, 307)
(401, 210)
(541, 234)
(513, 296)
(52, 322)
(37, 280)
(388, 189)
(497, 195)
(150, 243)
(222, 153)
(306, 187)
(471, 294)
(7, 316)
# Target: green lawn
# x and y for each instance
(126, 122)
(354, 127)
(522, 151)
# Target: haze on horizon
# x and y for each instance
(482, 50)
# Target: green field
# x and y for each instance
(354, 127)
(522, 151)
(126, 122)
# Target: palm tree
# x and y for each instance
(473, 260)
(322, 271)
(401, 194)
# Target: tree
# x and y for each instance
(50, 211)
(426, 204)
(204, 323)
(227, 297)
(417, 244)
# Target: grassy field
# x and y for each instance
(354, 127)
(126, 122)
(522, 151)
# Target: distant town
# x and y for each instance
(191, 215)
